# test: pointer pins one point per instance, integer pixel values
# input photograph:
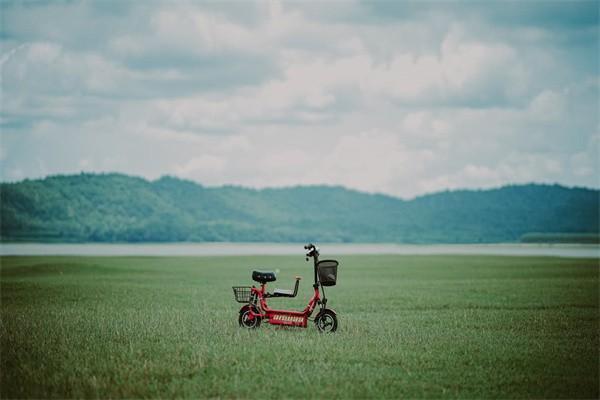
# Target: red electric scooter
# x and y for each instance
(256, 309)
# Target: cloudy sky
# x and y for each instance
(394, 97)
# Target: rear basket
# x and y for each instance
(327, 270)
(242, 293)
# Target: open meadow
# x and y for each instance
(409, 326)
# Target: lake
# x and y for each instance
(221, 249)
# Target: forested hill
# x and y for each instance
(120, 208)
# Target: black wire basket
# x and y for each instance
(327, 270)
(242, 293)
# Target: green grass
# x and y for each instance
(416, 327)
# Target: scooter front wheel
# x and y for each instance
(244, 319)
(326, 321)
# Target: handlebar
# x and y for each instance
(312, 250)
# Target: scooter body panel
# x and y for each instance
(289, 318)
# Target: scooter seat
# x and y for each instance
(283, 292)
(263, 277)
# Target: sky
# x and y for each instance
(402, 98)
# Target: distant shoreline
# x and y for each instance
(256, 248)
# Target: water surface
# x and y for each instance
(220, 249)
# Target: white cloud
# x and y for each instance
(265, 94)
(548, 105)
(10, 53)
(206, 166)
(15, 174)
(462, 73)
(585, 163)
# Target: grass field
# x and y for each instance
(416, 327)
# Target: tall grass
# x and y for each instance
(422, 326)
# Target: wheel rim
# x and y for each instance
(246, 320)
(326, 323)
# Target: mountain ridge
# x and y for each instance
(114, 207)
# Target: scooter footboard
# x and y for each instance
(289, 318)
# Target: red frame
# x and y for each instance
(283, 317)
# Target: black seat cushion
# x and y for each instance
(263, 277)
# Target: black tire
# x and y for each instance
(245, 322)
(326, 321)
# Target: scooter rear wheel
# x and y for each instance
(244, 319)
(326, 321)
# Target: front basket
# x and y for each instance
(242, 293)
(327, 270)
